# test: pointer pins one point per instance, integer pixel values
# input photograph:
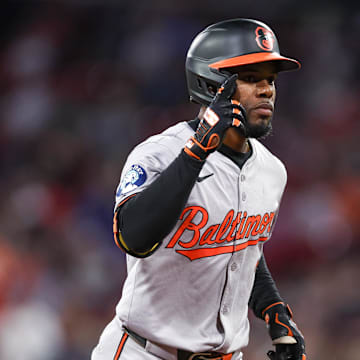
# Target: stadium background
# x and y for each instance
(82, 82)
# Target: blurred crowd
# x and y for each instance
(82, 82)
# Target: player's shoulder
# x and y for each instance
(177, 132)
(173, 138)
(267, 157)
(163, 147)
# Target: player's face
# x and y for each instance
(256, 92)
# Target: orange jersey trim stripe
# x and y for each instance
(251, 59)
(227, 357)
(121, 346)
(194, 254)
(125, 200)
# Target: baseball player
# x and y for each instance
(194, 207)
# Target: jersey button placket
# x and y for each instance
(227, 297)
(242, 180)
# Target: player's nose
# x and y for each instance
(265, 88)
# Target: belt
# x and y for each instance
(187, 355)
(183, 354)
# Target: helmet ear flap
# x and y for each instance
(203, 82)
(202, 87)
(223, 75)
(207, 87)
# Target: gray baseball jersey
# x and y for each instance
(192, 293)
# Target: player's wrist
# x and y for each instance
(191, 160)
(195, 150)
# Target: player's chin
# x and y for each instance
(259, 128)
(259, 120)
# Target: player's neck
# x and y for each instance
(234, 140)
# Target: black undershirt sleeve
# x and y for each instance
(264, 292)
(145, 219)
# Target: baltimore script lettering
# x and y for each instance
(233, 227)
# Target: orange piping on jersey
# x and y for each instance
(125, 200)
(121, 346)
(194, 254)
(226, 357)
(117, 235)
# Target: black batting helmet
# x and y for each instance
(228, 44)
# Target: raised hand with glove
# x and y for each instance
(287, 338)
(222, 113)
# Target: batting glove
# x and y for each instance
(222, 113)
(287, 338)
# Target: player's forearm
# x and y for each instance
(148, 217)
(264, 292)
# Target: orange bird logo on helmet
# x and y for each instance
(264, 38)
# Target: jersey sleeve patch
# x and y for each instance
(135, 177)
